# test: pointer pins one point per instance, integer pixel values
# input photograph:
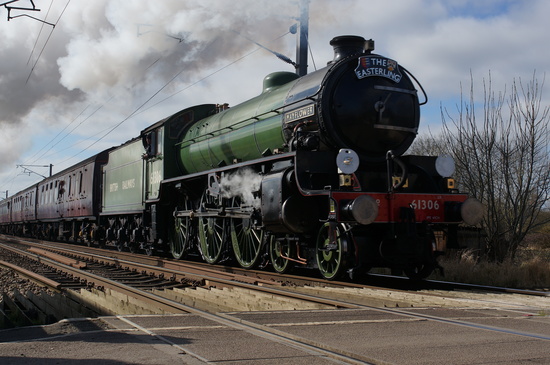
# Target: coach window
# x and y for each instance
(80, 183)
(61, 189)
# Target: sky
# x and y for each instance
(110, 68)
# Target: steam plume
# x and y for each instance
(244, 184)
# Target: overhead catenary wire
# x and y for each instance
(88, 117)
(110, 130)
(68, 134)
(138, 110)
(79, 124)
(39, 33)
(209, 75)
(47, 40)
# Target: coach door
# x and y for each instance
(61, 194)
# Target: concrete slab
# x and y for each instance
(384, 337)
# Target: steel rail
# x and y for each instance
(233, 280)
(176, 274)
(343, 304)
(175, 307)
(248, 276)
(260, 276)
(37, 278)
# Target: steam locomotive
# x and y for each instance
(310, 173)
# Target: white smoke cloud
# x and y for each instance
(107, 52)
(244, 183)
(117, 48)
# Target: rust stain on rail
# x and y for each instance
(59, 258)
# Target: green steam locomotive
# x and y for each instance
(310, 173)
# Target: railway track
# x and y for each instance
(154, 273)
(151, 278)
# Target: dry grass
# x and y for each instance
(530, 271)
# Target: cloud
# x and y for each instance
(113, 55)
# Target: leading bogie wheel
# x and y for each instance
(331, 250)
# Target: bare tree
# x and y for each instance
(502, 158)
(429, 144)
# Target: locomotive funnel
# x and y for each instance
(347, 45)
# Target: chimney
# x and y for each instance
(347, 45)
